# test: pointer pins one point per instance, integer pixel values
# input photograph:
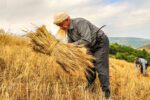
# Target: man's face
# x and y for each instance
(65, 24)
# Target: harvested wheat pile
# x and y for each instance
(70, 58)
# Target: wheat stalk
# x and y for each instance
(70, 58)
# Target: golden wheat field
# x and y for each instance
(28, 75)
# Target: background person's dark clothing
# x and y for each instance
(141, 68)
(82, 31)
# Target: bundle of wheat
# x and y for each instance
(71, 58)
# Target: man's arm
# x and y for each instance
(69, 40)
(136, 67)
(84, 30)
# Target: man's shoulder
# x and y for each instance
(79, 20)
(142, 60)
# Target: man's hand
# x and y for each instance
(70, 44)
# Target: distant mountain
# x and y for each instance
(129, 41)
(146, 47)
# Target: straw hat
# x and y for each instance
(60, 17)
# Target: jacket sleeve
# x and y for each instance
(85, 32)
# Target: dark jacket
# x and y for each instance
(81, 31)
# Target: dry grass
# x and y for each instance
(9, 39)
(29, 75)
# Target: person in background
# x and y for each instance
(80, 31)
(142, 64)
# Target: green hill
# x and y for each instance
(146, 47)
(129, 41)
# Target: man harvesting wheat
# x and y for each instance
(80, 31)
(142, 63)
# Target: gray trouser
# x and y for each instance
(101, 65)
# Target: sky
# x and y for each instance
(123, 18)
